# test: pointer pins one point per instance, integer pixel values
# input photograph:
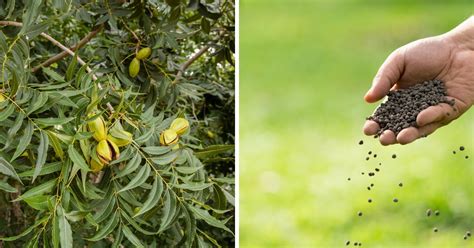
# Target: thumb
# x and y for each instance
(388, 74)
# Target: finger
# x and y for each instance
(371, 128)
(438, 113)
(387, 138)
(388, 74)
(408, 135)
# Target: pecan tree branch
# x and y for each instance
(65, 49)
(63, 54)
(186, 64)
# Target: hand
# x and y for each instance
(448, 57)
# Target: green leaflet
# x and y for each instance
(156, 150)
(138, 180)
(106, 229)
(77, 158)
(24, 141)
(65, 232)
(45, 122)
(26, 231)
(153, 197)
(209, 219)
(131, 166)
(47, 169)
(38, 190)
(7, 169)
(168, 211)
(131, 237)
(7, 187)
(42, 154)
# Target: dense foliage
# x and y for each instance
(140, 191)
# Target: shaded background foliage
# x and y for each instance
(152, 195)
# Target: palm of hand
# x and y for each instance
(430, 58)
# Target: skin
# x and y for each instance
(448, 57)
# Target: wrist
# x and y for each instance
(463, 34)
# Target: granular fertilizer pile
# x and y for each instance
(402, 106)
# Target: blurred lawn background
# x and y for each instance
(305, 66)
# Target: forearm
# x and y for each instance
(463, 34)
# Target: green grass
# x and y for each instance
(305, 66)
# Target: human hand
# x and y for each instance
(449, 58)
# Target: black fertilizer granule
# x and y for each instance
(371, 174)
(361, 142)
(380, 163)
(468, 234)
(370, 152)
(465, 237)
(400, 184)
(360, 244)
(355, 243)
(435, 229)
(359, 213)
(402, 106)
(461, 148)
(454, 152)
(377, 169)
(375, 155)
(368, 188)
(428, 212)
(348, 179)
(394, 156)
(348, 242)
(466, 157)
(371, 185)
(395, 200)
(367, 158)
(369, 200)
(362, 173)
(437, 212)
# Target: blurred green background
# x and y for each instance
(305, 66)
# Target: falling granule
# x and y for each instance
(400, 184)
(360, 244)
(361, 142)
(355, 243)
(369, 200)
(348, 179)
(380, 163)
(395, 200)
(435, 229)
(394, 156)
(359, 213)
(362, 173)
(377, 169)
(371, 185)
(468, 234)
(348, 242)
(370, 152)
(454, 152)
(367, 158)
(465, 237)
(428, 212)
(371, 174)
(375, 155)
(437, 212)
(461, 148)
(466, 157)
(368, 188)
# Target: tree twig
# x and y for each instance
(65, 49)
(63, 54)
(186, 64)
